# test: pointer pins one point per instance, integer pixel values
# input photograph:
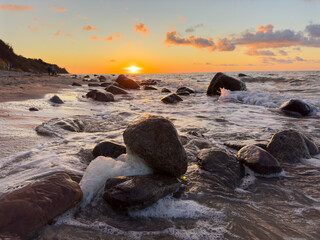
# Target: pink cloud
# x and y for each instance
(118, 35)
(141, 27)
(182, 19)
(16, 8)
(108, 39)
(265, 29)
(58, 33)
(57, 9)
(89, 28)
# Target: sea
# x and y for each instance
(283, 206)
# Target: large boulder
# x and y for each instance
(295, 107)
(24, 210)
(138, 192)
(108, 149)
(115, 90)
(56, 99)
(258, 160)
(221, 80)
(172, 98)
(223, 165)
(100, 96)
(127, 82)
(288, 146)
(156, 141)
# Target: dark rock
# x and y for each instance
(223, 165)
(100, 96)
(116, 90)
(25, 210)
(108, 149)
(242, 75)
(312, 147)
(149, 88)
(296, 107)
(86, 76)
(71, 124)
(127, 82)
(33, 109)
(258, 160)
(138, 192)
(102, 78)
(183, 93)
(149, 82)
(56, 99)
(165, 90)
(221, 80)
(194, 133)
(184, 89)
(172, 98)
(94, 84)
(288, 146)
(238, 144)
(76, 84)
(105, 84)
(74, 76)
(156, 140)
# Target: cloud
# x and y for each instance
(56, 9)
(37, 28)
(58, 33)
(224, 45)
(254, 52)
(141, 27)
(299, 59)
(118, 35)
(182, 19)
(313, 30)
(82, 16)
(108, 39)
(272, 60)
(16, 8)
(283, 53)
(95, 38)
(265, 29)
(89, 28)
(112, 60)
(36, 19)
(193, 28)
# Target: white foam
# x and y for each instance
(315, 162)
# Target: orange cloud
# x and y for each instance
(108, 39)
(56, 9)
(36, 28)
(16, 8)
(89, 28)
(58, 33)
(118, 35)
(265, 29)
(182, 19)
(36, 19)
(141, 27)
(95, 38)
(224, 45)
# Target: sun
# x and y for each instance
(133, 69)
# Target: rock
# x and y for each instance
(149, 88)
(102, 78)
(149, 82)
(242, 75)
(258, 160)
(184, 89)
(56, 99)
(156, 141)
(25, 210)
(221, 80)
(127, 82)
(100, 96)
(312, 147)
(172, 98)
(108, 149)
(165, 90)
(288, 146)
(86, 76)
(76, 84)
(238, 144)
(116, 90)
(138, 192)
(295, 107)
(33, 109)
(183, 93)
(71, 124)
(106, 84)
(224, 166)
(74, 76)
(93, 84)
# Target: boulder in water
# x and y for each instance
(220, 80)
(238, 144)
(108, 149)
(100, 96)
(242, 75)
(127, 82)
(184, 89)
(165, 90)
(149, 82)
(258, 160)
(295, 107)
(102, 78)
(146, 87)
(115, 90)
(56, 99)
(33, 109)
(172, 98)
(76, 84)
(156, 141)
(138, 192)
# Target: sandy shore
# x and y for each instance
(16, 86)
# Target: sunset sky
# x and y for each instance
(106, 36)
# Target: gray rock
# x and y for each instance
(138, 192)
(221, 80)
(127, 82)
(108, 149)
(172, 98)
(156, 140)
(102, 78)
(71, 124)
(56, 99)
(295, 107)
(258, 160)
(312, 147)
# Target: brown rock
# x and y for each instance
(127, 82)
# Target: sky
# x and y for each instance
(167, 36)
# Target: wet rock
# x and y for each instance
(149, 82)
(238, 144)
(116, 90)
(194, 133)
(156, 141)
(138, 192)
(172, 98)
(258, 160)
(108, 149)
(25, 210)
(56, 99)
(106, 84)
(312, 147)
(100, 96)
(183, 93)
(184, 89)
(295, 107)
(288, 146)
(102, 78)
(224, 166)
(242, 75)
(76, 84)
(71, 124)
(221, 80)
(149, 88)
(200, 143)
(127, 82)
(86, 76)
(93, 84)
(165, 90)
(33, 109)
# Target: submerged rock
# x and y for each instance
(312, 147)
(100, 96)
(149, 88)
(56, 99)
(221, 80)
(116, 90)
(76, 84)
(288, 146)
(295, 107)
(149, 82)
(138, 192)
(165, 90)
(33, 109)
(258, 160)
(172, 98)
(127, 82)
(185, 93)
(71, 124)
(156, 141)
(25, 210)
(108, 149)
(93, 84)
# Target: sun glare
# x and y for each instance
(133, 69)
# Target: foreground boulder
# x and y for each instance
(288, 146)
(127, 82)
(295, 107)
(115, 90)
(156, 141)
(56, 99)
(108, 149)
(24, 210)
(224, 166)
(258, 160)
(100, 96)
(172, 98)
(138, 192)
(221, 80)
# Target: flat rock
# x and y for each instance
(56, 99)
(295, 107)
(258, 160)
(127, 82)
(108, 149)
(156, 141)
(220, 80)
(172, 98)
